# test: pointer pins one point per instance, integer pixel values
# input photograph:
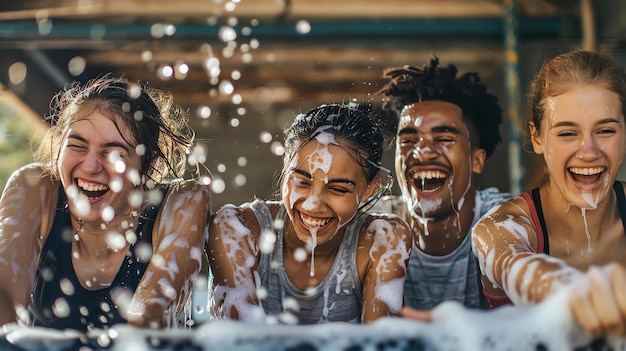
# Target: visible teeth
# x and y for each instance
(311, 222)
(586, 171)
(91, 187)
(428, 175)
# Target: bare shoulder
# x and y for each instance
(28, 187)
(509, 222)
(514, 208)
(392, 219)
(191, 189)
(385, 227)
(229, 212)
(32, 176)
(232, 217)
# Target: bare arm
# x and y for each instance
(505, 243)
(233, 255)
(389, 243)
(179, 237)
(25, 202)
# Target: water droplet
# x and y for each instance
(300, 254)
(116, 185)
(268, 239)
(226, 87)
(277, 148)
(265, 137)
(242, 161)
(157, 30)
(76, 65)
(134, 91)
(204, 112)
(303, 27)
(67, 287)
(146, 56)
(131, 237)
(17, 72)
(133, 176)
(218, 186)
(44, 26)
(227, 34)
(108, 213)
(60, 308)
(97, 32)
(165, 72)
(138, 115)
(140, 149)
(261, 293)
(240, 180)
(135, 199)
(116, 241)
(105, 307)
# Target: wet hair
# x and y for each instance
(149, 114)
(409, 85)
(351, 126)
(566, 71)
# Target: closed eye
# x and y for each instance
(566, 134)
(607, 131)
(75, 146)
(339, 191)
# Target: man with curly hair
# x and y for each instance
(445, 128)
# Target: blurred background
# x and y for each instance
(245, 68)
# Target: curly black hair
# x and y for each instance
(408, 85)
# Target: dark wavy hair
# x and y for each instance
(351, 125)
(148, 113)
(408, 85)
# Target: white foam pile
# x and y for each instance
(547, 326)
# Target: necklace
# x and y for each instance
(125, 228)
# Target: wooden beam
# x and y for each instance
(16, 104)
(203, 10)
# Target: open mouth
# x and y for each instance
(428, 181)
(314, 222)
(92, 190)
(588, 175)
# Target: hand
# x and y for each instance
(598, 301)
(418, 315)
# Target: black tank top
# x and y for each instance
(543, 237)
(58, 299)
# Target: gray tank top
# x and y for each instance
(336, 298)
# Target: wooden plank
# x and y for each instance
(202, 10)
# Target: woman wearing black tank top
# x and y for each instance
(101, 230)
(569, 233)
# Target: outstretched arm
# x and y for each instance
(505, 244)
(179, 238)
(26, 202)
(233, 256)
(388, 239)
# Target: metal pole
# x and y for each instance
(511, 76)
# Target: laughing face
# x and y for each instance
(322, 188)
(98, 167)
(434, 158)
(582, 141)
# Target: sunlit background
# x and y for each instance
(245, 68)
